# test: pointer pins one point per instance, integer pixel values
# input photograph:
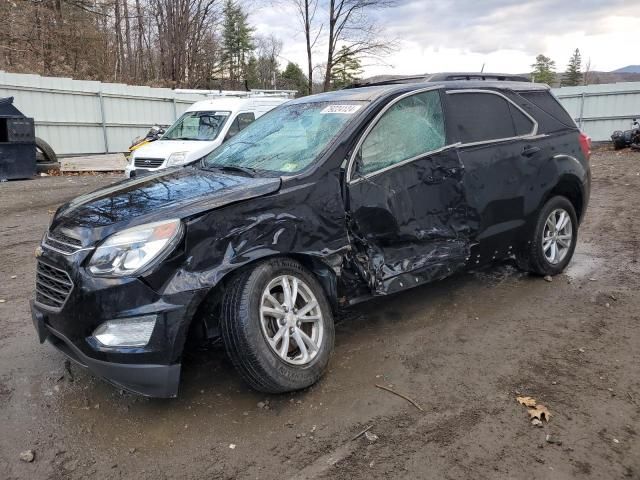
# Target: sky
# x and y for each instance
(462, 35)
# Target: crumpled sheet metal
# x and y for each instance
(307, 219)
(413, 225)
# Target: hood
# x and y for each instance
(163, 148)
(172, 193)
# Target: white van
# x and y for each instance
(203, 127)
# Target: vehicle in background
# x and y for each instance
(628, 138)
(202, 128)
(324, 202)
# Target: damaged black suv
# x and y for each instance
(326, 201)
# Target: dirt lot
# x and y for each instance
(463, 349)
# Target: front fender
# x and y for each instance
(304, 221)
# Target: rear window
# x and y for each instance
(481, 117)
(550, 115)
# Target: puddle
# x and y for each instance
(585, 263)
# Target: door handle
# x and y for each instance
(530, 151)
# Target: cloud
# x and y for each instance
(437, 35)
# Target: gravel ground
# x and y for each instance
(463, 349)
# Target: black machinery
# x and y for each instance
(17, 143)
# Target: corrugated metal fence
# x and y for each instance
(601, 109)
(79, 117)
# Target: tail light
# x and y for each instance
(585, 145)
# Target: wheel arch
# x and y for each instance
(571, 187)
(205, 322)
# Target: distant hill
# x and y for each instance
(628, 69)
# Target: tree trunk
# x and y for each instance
(307, 33)
(138, 72)
(127, 33)
(330, 50)
(119, 47)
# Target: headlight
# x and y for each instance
(130, 251)
(126, 332)
(177, 158)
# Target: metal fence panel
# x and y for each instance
(601, 109)
(84, 117)
(78, 116)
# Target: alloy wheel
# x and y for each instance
(557, 236)
(291, 320)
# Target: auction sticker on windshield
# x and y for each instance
(344, 109)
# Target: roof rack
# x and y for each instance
(444, 77)
(239, 93)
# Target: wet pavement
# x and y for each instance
(462, 349)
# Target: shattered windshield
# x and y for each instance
(285, 140)
(197, 126)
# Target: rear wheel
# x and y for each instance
(554, 239)
(277, 326)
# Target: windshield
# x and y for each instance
(285, 140)
(197, 126)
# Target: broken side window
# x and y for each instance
(411, 127)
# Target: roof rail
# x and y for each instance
(444, 77)
(503, 77)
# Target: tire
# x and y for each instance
(245, 327)
(44, 152)
(537, 256)
(46, 159)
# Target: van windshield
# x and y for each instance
(197, 126)
(285, 140)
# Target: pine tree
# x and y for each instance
(294, 78)
(237, 42)
(573, 76)
(543, 70)
(346, 70)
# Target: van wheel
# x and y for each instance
(554, 239)
(277, 326)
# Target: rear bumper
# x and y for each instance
(160, 381)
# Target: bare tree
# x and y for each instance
(586, 78)
(307, 10)
(268, 50)
(155, 42)
(351, 26)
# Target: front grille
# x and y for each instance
(53, 286)
(149, 162)
(63, 243)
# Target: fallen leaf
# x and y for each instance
(540, 412)
(526, 401)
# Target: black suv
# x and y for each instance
(324, 202)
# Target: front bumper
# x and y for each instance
(131, 171)
(152, 370)
(150, 380)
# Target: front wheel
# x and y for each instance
(554, 239)
(277, 326)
